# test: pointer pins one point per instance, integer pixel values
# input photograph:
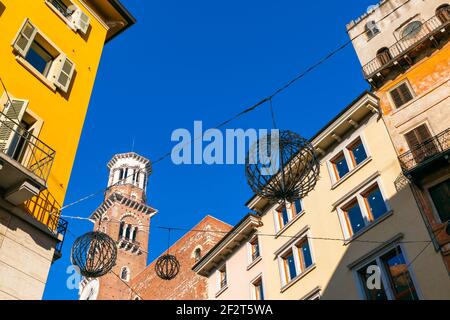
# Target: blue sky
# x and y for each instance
(205, 60)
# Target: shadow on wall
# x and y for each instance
(401, 263)
(2, 8)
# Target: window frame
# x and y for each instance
(56, 68)
(300, 269)
(359, 198)
(345, 149)
(68, 19)
(222, 275)
(251, 249)
(427, 187)
(391, 100)
(257, 281)
(377, 258)
(291, 213)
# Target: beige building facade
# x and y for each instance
(355, 221)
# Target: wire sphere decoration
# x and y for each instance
(167, 267)
(282, 167)
(95, 253)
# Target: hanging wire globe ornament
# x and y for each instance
(167, 267)
(282, 167)
(95, 253)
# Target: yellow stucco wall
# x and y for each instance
(63, 115)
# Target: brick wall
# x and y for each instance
(187, 285)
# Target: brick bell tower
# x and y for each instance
(125, 218)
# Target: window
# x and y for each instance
(401, 95)
(43, 58)
(304, 254)
(395, 280)
(254, 247)
(298, 206)
(285, 214)
(283, 217)
(420, 143)
(73, 15)
(412, 30)
(354, 217)
(366, 207)
(375, 204)
(258, 290)
(340, 166)
(372, 29)
(197, 254)
(348, 159)
(125, 274)
(295, 260)
(290, 269)
(357, 152)
(443, 13)
(384, 56)
(440, 195)
(223, 277)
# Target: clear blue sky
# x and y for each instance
(205, 60)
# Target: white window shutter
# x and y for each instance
(80, 21)
(9, 123)
(63, 73)
(25, 38)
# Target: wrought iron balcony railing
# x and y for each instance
(61, 7)
(61, 230)
(20, 145)
(426, 151)
(427, 29)
(45, 209)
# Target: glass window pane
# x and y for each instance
(290, 269)
(376, 204)
(358, 152)
(399, 276)
(440, 194)
(341, 167)
(284, 216)
(298, 206)
(38, 58)
(369, 284)
(306, 254)
(355, 218)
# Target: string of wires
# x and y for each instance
(262, 101)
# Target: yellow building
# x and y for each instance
(50, 52)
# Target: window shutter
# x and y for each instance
(81, 21)
(9, 122)
(411, 139)
(423, 133)
(63, 73)
(401, 95)
(25, 38)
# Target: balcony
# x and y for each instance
(401, 55)
(427, 156)
(25, 162)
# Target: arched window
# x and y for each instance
(384, 56)
(372, 29)
(122, 226)
(197, 254)
(443, 13)
(128, 231)
(134, 234)
(125, 274)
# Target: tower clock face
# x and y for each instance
(90, 290)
